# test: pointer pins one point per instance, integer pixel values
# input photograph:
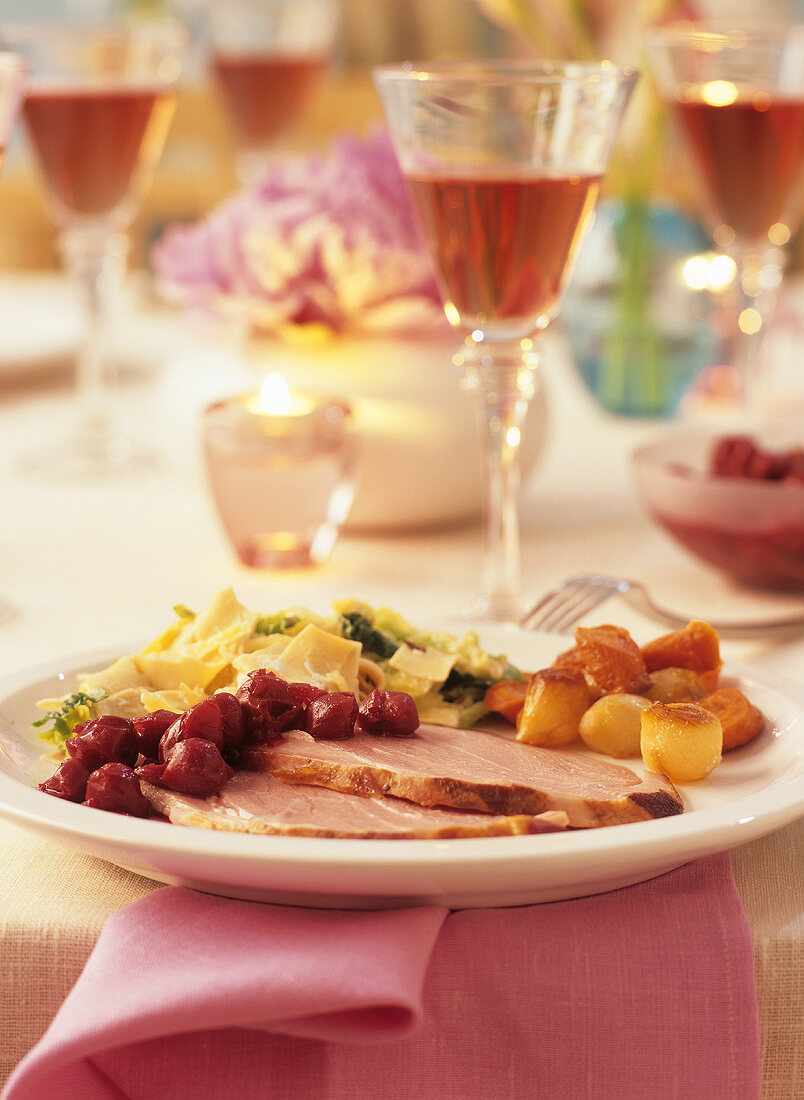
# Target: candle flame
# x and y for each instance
(275, 395)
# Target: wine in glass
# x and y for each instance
(267, 57)
(12, 79)
(504, 161)
(737, 93)
(97, 109)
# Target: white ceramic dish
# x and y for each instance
(756, 789)
(410, 415)
(748, 528)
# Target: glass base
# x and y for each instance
(90, 458)
(498, 608)
(286, 550)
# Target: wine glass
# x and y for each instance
(504, 162)
(267, 57)
(97, 109)
(737, 94)
(12, 78)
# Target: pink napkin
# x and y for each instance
(647, 990)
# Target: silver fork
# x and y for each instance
(575, 597)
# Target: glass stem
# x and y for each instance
(504, 381)
(96, 260)
(759, 273)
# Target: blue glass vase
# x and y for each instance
(639, 333)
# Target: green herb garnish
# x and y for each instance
(276, 624)
(358, 628)
(184, 612)
(463, 687)
(71, 712)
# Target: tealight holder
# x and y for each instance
(282, 470)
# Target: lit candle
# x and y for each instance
(275, 399)
(281, 469)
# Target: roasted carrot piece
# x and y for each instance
(710, 679)
(611, 658)
(570, 660)
(506, 697)
(696, 646)
(740, 719)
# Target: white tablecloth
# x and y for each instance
(92, 565)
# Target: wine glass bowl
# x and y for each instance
(504, 162)
(267, 58)
(97, 110)
(71, 133)
(737, 94)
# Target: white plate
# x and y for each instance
(755, 790)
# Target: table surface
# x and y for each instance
(95, 566)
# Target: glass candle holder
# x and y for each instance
(282, 470)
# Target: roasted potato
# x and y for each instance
(613, 724)
(674, 685)
(554, 704)
(683, 741)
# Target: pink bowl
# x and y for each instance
(750, 529)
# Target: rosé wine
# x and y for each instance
(91, 141)
(265, 92)
(749, 153)
(502, 244)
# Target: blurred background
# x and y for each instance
(198, 166)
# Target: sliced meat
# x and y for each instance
(472, 770)
(252, 802)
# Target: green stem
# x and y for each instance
(629, 382)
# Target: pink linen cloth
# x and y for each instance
(647, 990)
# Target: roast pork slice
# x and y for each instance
(472, 770)
(253, 802)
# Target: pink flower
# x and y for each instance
(329, 240)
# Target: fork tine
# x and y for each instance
(548, 599)
(554, 602)
(575, 597)
(568, 611)
(595, 595)
(544, 606)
